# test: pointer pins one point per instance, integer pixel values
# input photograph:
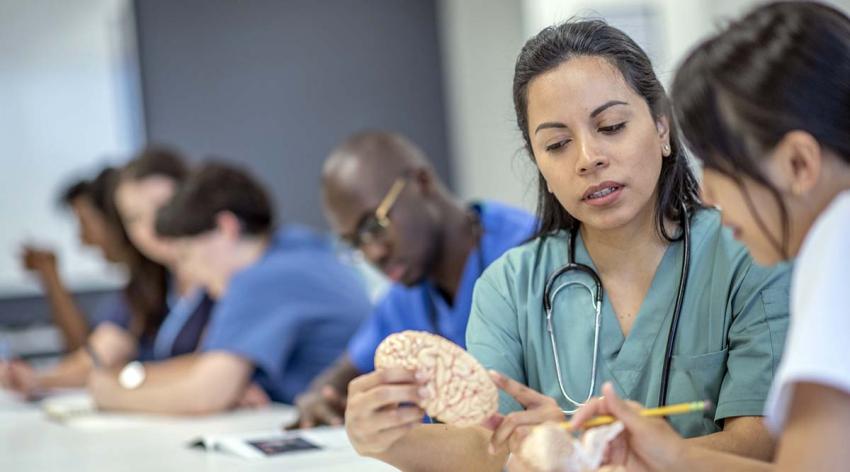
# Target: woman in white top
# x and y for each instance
(766, 106)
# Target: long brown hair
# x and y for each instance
(147, 291)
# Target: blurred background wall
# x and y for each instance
(276, 84)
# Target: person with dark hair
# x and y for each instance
(765, 105)
(383, 197)
(629, 280)
(94, 230)
(129, 323)
(285, 304)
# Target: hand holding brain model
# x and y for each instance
(460, 392)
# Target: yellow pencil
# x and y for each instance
(670, 410)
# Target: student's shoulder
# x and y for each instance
(504, 219)
(288, 259)
(400, 297)
(828, 241)
(297, 248)
(295, 239)
(822, 260)
(258, 276)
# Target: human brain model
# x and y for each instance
(550, 448)
(460, 391)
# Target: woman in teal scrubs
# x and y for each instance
(597, 124)
(787, 194)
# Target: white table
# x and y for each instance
(29, 441)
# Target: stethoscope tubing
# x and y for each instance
(548, 300)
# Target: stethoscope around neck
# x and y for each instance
(550, 291)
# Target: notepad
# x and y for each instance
(68, 406)
(266, 444)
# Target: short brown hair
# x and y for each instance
(215, 187)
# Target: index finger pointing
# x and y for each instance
(521, 393)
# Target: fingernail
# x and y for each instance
(491, 449)
(421, 376)
(423, 393)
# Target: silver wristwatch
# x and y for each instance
(132, 375)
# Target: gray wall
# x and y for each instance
(276, 84)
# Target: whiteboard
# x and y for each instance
(69, 103)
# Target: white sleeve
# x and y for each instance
(818, 345)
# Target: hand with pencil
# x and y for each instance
(647, 443)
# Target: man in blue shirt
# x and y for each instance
(285, 304)
(383, 197)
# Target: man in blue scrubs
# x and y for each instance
(382, 196)
(286, 306)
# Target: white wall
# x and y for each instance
(69, 102)
(479, 42)
(678, 25)
(666, 29)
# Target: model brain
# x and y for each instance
(550, 448)
(460, 391)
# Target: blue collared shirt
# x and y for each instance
(417, 307)
(291, 313)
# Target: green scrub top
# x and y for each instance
(730, 336)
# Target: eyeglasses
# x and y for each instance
(373, 226)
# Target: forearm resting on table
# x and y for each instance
(71, 371)
(438, 447)
(814, 437)
(178, 398)
(173, 369)
(744, 436)
(701, 459)
(189, 385)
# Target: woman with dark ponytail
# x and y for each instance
(765, 105)
(615, 190)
